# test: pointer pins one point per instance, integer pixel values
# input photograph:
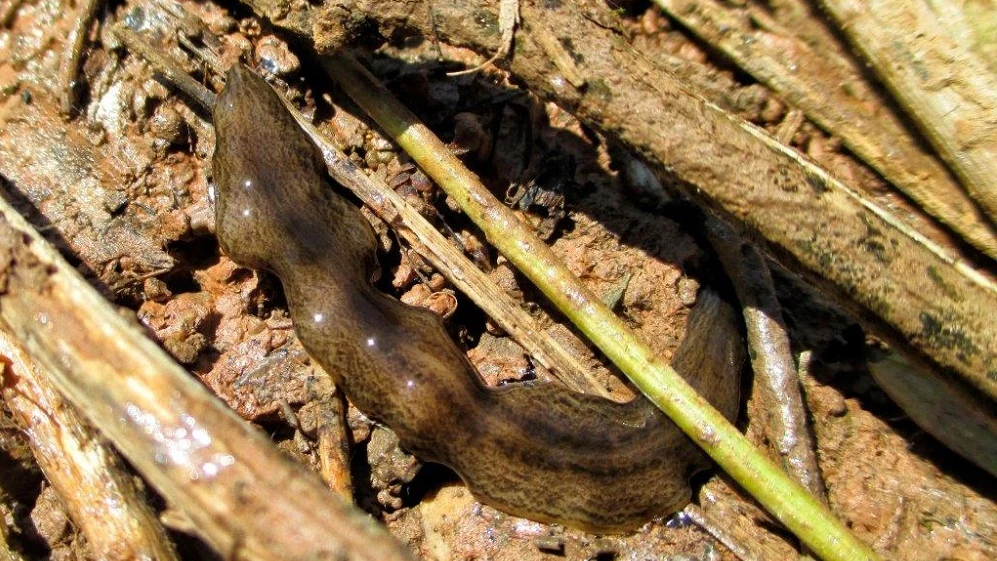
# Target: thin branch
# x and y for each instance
(789, 502)
(69, 67)
(169, 70)
(737, 543)
(776, 381)
(333, 445)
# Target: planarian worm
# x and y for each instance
(536, 450)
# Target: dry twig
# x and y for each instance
(776, 380)
(948, 92)
(857, 114)
(94, 486)
(727, 535)
(333, 445)
(243, 496)
(70, 67)
(508, 19)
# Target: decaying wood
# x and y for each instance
(93, 485)
(948, 92)
(243, 496)
(854, 112)
(979, 18)
(70, 66)
(739, 544)
(900, 286)
(508, 19)
(776, 382)
(334, 452)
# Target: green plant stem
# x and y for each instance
(789, 502)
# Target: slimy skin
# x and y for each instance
(536, 449)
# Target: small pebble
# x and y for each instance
(167, 124)
(550, 544)
(49, 517)
(773, 110)
(274, 56)
(156, 290)
(688, 289)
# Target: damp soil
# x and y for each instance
(122, 187)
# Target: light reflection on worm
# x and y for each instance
(536, 450)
